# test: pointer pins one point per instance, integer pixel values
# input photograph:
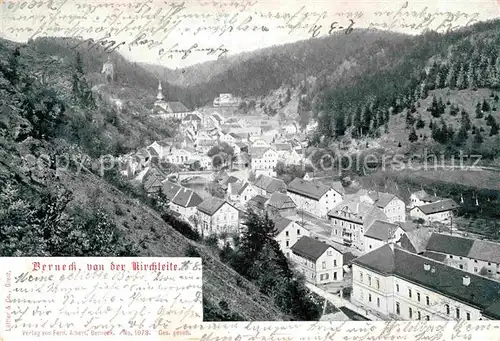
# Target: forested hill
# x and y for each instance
(56, 199)
(460, 69)
(333, 59)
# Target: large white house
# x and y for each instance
(351, 219)
(264, 160)
(438, 211)
(216, 216)
(472, 255)
(393, 207)
(319, 262)
(404, 286)
(314, 197)
(288, 233)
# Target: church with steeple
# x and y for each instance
(164, 109)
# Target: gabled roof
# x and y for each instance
(258, 152)
(465, 247)
(381, 199)
(311, 189)
(482, 292)
(310, 248)
(235, 188)
(170, 189)
(381, 230)
(211, 205)
(282, 147)
(280, 201)
(269, 184)
(186, 197)
(281, 224)
(438, 206)
(358, 212)
(418, 238)
(259, 200)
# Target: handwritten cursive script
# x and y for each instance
(95, 296)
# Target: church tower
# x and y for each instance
(159, 97)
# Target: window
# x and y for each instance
(369, 297)
(458, 313)
(323, 265)
(428, 318)
(329, 253)
(418, 296)
(447, 309)
(409, 293)
(323, 277)
(335, 276)
(410, 312)
(334, 262)
(427, 301)
(361, 276)
(475, 261)
(361, 295)
(451, 256)
(378, 283)
(286, 234)
(378, 301)
(369, 280)
(461, 266)
(287, 243)
(419, 315)
(398, 310)
(489, 263)
(461, 258)
(475, 269)
(298, 232)
(468, 316)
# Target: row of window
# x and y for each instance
(427, 317)
(427, 299)
(475, 261)
(287, 234)
(377, 281)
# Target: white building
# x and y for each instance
(421, 198)
(181, 199)
(351, 219)
(393, 207)
(288, 233)
(320, 263)
(380, 233)
(438, 211)
(313, 197)
(405, 286)
(472, 255)
(263, 159)
(216, 216)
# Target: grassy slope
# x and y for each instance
(138, 221)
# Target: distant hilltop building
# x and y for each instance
(226, 100)
(108, 70)
(164, 109)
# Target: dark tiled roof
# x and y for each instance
(451, 245)
(269, 184)
(259, 199)
(280, 201)
(381, 230)
(348, 257)
(482, 292)
(281, 224)
(381, 199)
(311, 189)
(436, 256)
(170, 189)
(211, 205)
(438, 206)
(186, 197)
(309, 248)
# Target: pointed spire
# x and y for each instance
(160, 94)
(477, 202)
(461, 198)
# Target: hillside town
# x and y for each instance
(373, 254)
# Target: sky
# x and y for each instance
(184, 33)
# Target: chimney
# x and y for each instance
(427, 267)
(466, 280)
